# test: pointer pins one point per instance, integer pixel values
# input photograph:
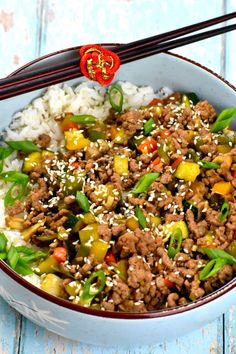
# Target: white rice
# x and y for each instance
(38, 117)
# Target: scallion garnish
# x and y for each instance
(23, 145)
(223, 119)
(208, 164)
(224, 211)
(84, 119)
(175, 242)
(91, 289)
(145, 182)
(211, 268)
(140, 216)
(149, 126)
(116, 97)
(83, 201)
(213, 253)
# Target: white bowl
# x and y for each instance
(109, 328)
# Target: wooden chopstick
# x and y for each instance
(122, 49)
(45, 79)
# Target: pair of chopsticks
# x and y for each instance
(69, 69)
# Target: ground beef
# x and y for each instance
(15, 209)
(120, 291)
(197, 229)
(205, 111)
(43, 141)
(131, 122)
(139, 274)
(105, 232)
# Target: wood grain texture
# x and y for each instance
(30, 28)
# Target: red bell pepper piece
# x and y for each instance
(234, 174)
(169, 283)
(110, 257)
(148, 145)
(155, 102)
(176, 163)
(60, 254)
(155, 162)
(165, 133)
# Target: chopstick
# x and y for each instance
(74, 63)
(51, 74)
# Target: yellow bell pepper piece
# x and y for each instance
(48, 265)
(99, 249)
(155, 220)
(118, 135)
(14, 223)
(187, 171)
(121, 164)
(27, 233)
(89, 233)
(75, 140)
(222, 188)
(121, 269)
(132, 223)
(89, 218)
(168, 229)
(73, 288)
(52, 284)
(32, 160)
(223, 149)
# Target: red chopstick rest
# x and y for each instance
(98, 64)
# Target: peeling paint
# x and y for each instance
(6, 20)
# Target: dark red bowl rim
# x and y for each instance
(107, 314)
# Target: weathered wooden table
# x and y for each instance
(31, 28)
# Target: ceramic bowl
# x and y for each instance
(122, 329)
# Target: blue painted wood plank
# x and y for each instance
(10, 322)
(230, 331)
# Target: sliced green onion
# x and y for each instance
(188, 205)
(23, 268)
(223, 119)
(145, 182)
(211, 268)
(224, 211)
(16, 192)
(84, 119)
(192, 97)
(14, 176)
(149, 126)
(213, 253)
(3, 255)
(140, 216)
(71, 221)
(208, 164)
(23, 145)
(83, 201)
(175, 242)
(12, 257)
(3, 242)
(90, 289)
(116, 97)
(4, 153)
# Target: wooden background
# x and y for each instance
(31, 28)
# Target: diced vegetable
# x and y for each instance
(208, 164)
(155, 162)
(187, 171)
(83, 201)
(223, 149)
(83, 119)
(4, 153)
(163, 153)
(75, 140)
(132, 223)
(91, 289)
(224, 211)
(148, 126)
(28, 233)
(52, 284)
(189, 205)
(223, 119)
(140, 216)
(121, 164)
(222, 188)
(14, 223)
(3, 242)
(73, 182)
(192, 97)
(116, 97)
(165, 133)
(155, 220)
(121, 269)
(49, 265)
(175, 242)
(23, 145)
(185, 101)
(212, 268)
(118, 135)
(89, 218)
(60, 254)
(12, 257)
(176, 163)
(147, 146)
(31, 161)
(89, 233)
(71, 221)
(213, 253)
(99, 249)
(67, 124)
(232, 249)
(18, 188)
(145, 182)
(171, 227)
(110, 257)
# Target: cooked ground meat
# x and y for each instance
(130, 213)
